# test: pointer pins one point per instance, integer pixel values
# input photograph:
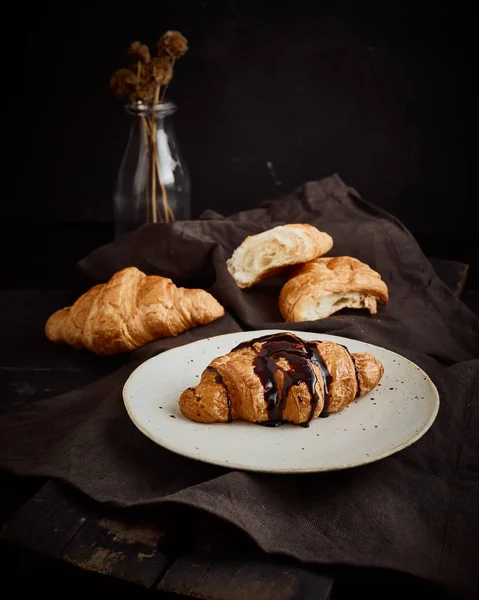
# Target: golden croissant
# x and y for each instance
(268, 253)
(325, 285)
(130, 310)
(280, 378)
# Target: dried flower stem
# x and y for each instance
(147, 197)
(169, 215)
(146, 166)
(138, 185)
(157, 94)
(154, 154)
(153, 180)
(163, 94)
(148, 86)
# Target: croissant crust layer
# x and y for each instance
(321, 287)
(234, 386)
(130, 310)
(268, 253)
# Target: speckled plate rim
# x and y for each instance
(241, 336)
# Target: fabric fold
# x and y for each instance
(414, 512)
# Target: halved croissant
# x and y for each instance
(266, 254)
(130, 310)
(325, 285)
(280, 378)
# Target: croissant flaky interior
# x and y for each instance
(130, 310)
(266, 254)
(280, 378)
(325, 285)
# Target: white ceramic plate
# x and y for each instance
(389, 418)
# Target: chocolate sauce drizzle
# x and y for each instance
(219, 380)
(301, 357)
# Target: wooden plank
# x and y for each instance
(56, 523)
(119, 549)
(47, 522)
(257, 576)
(185, 574)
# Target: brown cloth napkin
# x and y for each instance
(414, 512)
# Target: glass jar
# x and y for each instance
(153, 181)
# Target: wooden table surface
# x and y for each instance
(53, 533)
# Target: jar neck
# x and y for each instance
(158, 111)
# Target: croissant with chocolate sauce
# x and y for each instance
(280, 378)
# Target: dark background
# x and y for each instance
(378, 92)
(269, 96)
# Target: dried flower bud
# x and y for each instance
(139, 52)
(147, 79)
(145, 87)
(145, 92)
(123, 83)
(173, 44)
(162, 70)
